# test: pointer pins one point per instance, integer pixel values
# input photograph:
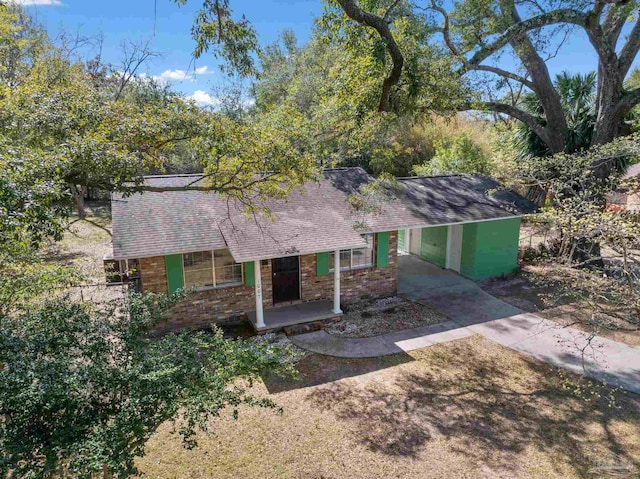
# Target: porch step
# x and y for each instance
(304, 328)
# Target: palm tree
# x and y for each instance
(577, 95)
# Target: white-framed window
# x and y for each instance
(356, 258)
(124, 271)
(216, 269)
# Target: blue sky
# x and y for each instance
(168, 28)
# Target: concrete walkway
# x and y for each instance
(473, 311)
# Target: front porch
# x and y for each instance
(300, 313)
(304, 312)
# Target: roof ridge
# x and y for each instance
(447, 175)
(339, 168)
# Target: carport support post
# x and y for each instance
(336, 282)
(447, 259)
(258, 284)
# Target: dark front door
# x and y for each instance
(286, 279)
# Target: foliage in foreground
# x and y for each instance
(598, 248)
(83, 389)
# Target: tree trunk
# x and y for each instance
(78, 193)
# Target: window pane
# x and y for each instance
(227, 270)
(363, 257)
(345, 259)
(198, 269)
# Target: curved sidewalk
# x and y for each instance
(473, 311)
(322, 342)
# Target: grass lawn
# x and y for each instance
(468, 408)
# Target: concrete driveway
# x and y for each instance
(465, 303)
(472, 311)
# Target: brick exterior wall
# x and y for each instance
(153, 274)
(220, 305)
(354, 284)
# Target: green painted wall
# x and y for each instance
(382, 253)
(490, 248)
(401, 239)
(173, 267)
(434, 245)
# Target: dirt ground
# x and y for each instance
(83, 245)
(374, 317)
(534, 289)
(468, 408)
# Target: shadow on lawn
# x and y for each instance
(491, 413)
(316, 369)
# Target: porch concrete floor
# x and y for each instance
(300, 313)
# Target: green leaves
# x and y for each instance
(216, 30)
(459, 155)
(82, 388)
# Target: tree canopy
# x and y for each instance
(82, 389)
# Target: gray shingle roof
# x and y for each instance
(317, 218)
(459, 198)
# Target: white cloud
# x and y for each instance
(26, 3)
(174, 75)
(202, 98)
(181, 75)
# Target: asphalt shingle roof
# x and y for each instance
(317, 218)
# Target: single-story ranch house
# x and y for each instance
(317, 252)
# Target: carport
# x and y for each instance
(477, 250)
(470, 224)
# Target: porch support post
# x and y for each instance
(258, 285)
(407, 240)
(447, 259)
(336, 282)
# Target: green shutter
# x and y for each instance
(249, 273)
(173, 265)
(382, 256)
(322, 264)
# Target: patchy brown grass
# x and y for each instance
(468, 408)
(83, 245)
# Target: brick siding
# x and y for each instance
(220, 305)
(153, 274)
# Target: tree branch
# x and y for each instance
(553, 136)
(515, 112)
(629, 100)
(630, 49)
(563, 15)
(445, 30)
(503, 73)
(355, 13)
